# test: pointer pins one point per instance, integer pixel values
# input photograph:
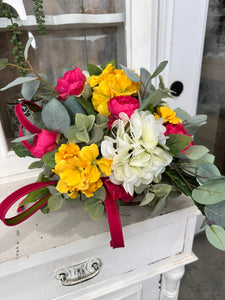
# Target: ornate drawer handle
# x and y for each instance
(78, 273)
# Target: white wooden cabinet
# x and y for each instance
(149, 267)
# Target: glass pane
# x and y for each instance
(58, 49)
(56, 7)
(212, 85)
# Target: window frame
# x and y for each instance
(129, 25)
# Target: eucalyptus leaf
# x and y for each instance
(177, 142)
(182, 114)
(159, 207)
(130, 74)
(207, 171)
(96, 135)
(100, 193)
(216, 236)
(52, 189)
(18, 81)
(153, 99)
(3, 63)
(29, 41)
(87, 105)
(55, 116)
(145, 82)
(94, 207)
(160, 189)
(84, 122)
(55, 202)
(70, 134)
(147, 199)
(216, 213)
(82, 136)
(30, 88)
(24, 138)
(211, 192)
(73, 107)
(195, 152)
(159, 69)
(191, 166)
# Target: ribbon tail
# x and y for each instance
(114, 223)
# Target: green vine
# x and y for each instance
(6, 11)
(39, 15)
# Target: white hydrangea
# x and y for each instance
(137, 151)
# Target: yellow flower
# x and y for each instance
(95, 80)
(66, 151)
(122, 85)
(113, 84)
(167, 114)
(80, 170)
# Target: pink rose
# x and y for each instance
(72, 83)
(43, 142)
(116, 191)
(177, 129)
(126, 104)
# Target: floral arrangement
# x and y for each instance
(108, 137)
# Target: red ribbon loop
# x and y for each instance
(8, 202)
(23, 119)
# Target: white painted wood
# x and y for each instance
(19, 7)
(181, 39)
(153, 246)
(170, 283)
(68, 20)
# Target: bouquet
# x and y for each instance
(107, 137)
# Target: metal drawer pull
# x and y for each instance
(78, 273)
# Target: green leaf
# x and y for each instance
(180, 183)
(130, 74)
(73, 107)
(49, 158)
(153, 99)
(159, 69)
(100, 193)
(94, 207)
(82, 136)
(55, 116)
(207, 171)
(195, 152)
(35, 195)
(160, 189)
(24, 138)
(52, 189)
(20, 150)
(216, 213)
(29, 41)
(3, 63)
(93, 69)
(36, 165)
(96, 134)
(70, 134)
(84, 122)
(30, 88)
(159, 207)
(55, 202)
(147, 199)
(216, 236)
(211, 192)
(182, 114)
(18, 81)
(45, 209)
(145, 82)
(87, 105)
(177, 142)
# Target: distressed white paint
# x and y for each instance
(45, 243)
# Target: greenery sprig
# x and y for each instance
(39, 15)
(5, 11)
